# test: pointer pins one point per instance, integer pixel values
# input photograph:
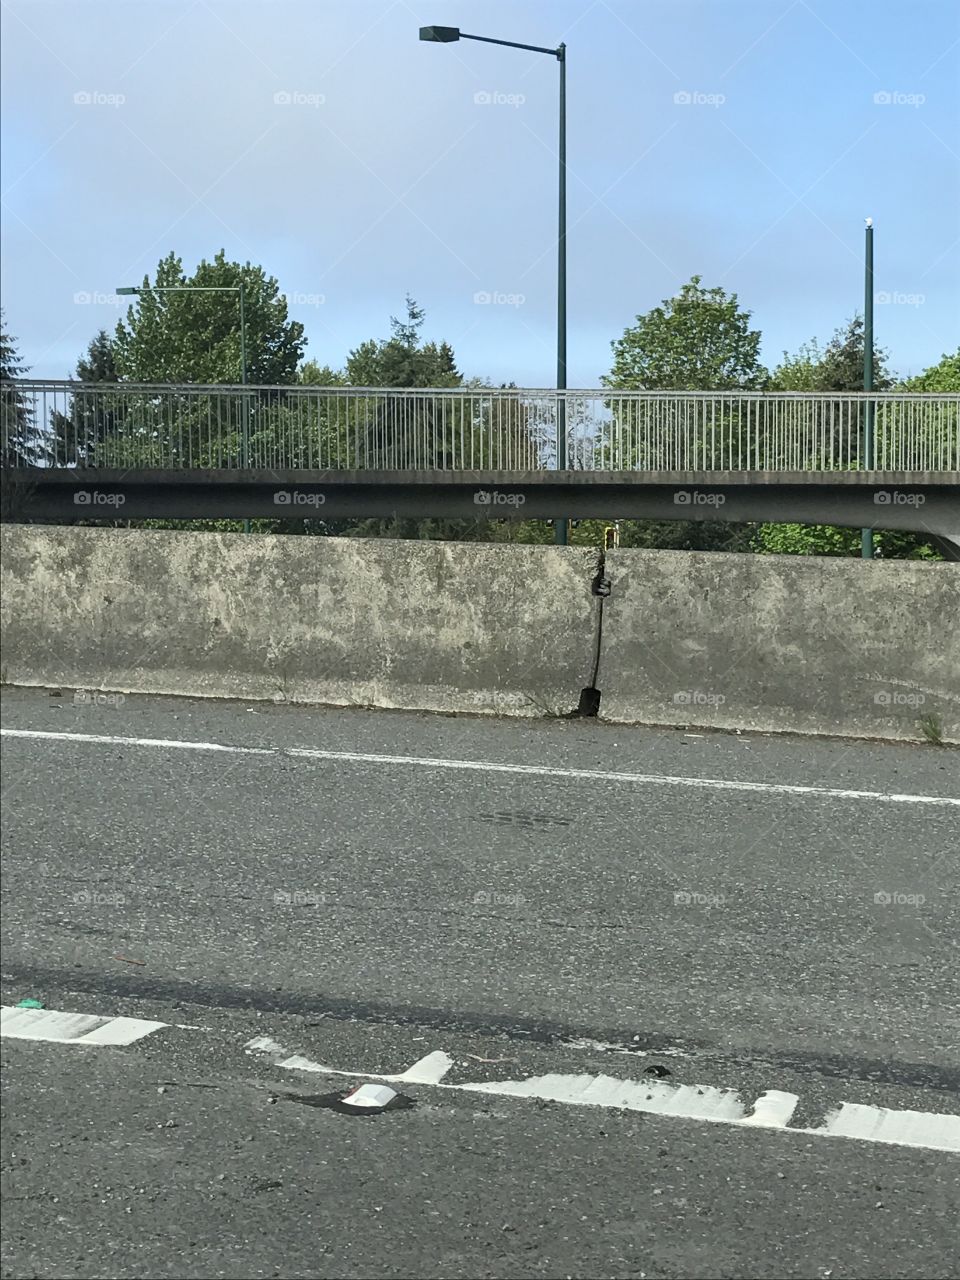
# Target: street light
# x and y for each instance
(447, 35)
(866, 535)
(130, 291)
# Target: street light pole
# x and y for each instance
(866, 535)
(246, 397)
(128, 291)
(447, 35)
(560, 529)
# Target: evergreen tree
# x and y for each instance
(22, 443)
(91, 416)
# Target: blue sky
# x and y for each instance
(741, 140)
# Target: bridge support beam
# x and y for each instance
(923, 502)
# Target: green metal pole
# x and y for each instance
(561, 525)
(866, 535)
(246, 406)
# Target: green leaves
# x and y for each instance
(837, 367)
(402, 360)
(699, 340)
(193, 336)
(944, 376)
(831, 540)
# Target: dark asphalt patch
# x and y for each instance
(132, 985)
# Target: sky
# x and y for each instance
(744, 141)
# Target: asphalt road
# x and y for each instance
(723, 928)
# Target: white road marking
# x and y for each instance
(905, 1128)
(111, 740)
(489, 766)
(427, 1070)
(686, 1100)
(72, 1028)
(772, 1110)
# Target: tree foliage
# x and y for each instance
(836, 367)
(22, 442)
(91, 417)
(834, 540)
(700, 340)
(196, 336)
(403, 359)
(944, 376)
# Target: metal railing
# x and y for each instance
(133, 425)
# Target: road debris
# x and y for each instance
(363, 1100)
(29, 1003)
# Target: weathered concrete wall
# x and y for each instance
(427, 625)
(777, 643)
(783, 643)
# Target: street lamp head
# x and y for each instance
(869, 222)
(126, 293)
(440, 35)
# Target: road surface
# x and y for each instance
(682, 1005)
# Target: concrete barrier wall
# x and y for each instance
(427, 625)
(784, 643)
(775, 643)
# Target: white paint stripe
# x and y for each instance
(685, 1100)
(905, 1128)
(772, 1110)
(488, 766)
(427, 1070)
(111, 740)
(45, 1024)
(72, 1028)
(116, 1031)
(598, 775)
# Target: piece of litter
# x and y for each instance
(370, 1096)
(29, 1003)
(127, 960)
(476, 1057)
(655, 1069)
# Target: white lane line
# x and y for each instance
(685, 1100)
(427, 1070)
(905, 1128)
(111, 740)
(72, 1028)
(773, 1109)
(489, 766)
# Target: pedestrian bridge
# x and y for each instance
(885, 460)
